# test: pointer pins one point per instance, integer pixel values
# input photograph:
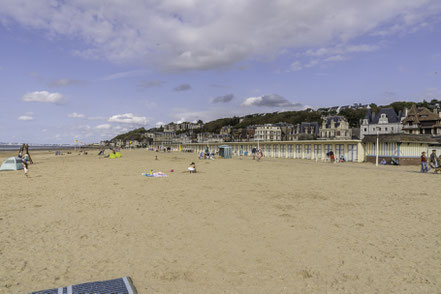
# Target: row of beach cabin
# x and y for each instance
(405, 148)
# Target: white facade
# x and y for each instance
(384, 126)
(268, 132)
(351, 150)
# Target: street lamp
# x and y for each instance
(376, 159)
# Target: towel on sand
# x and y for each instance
(121, 286)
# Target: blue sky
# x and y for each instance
(88, 70)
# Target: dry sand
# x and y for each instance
(238, 226)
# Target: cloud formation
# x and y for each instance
(223, 99)
(44, 96)
(75, 115)
(183, 87)
(272, 100)
(129, 118)
(198, 34)
(103, 127)
(25, 117)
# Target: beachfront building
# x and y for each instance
(182, 127)
(305, 131)
(209, 138)
(336, 128)
(350, 150)
(286, 131)
(268, 132)
(225, 130)
(422, 121)
(406, 149)
(386, 121)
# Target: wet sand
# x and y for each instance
(237, 226)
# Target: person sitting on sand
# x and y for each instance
(192, 168)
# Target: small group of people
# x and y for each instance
(206, 154)
(257, 153)
(434, 162)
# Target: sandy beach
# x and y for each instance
(237, 226)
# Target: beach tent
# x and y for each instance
(115, 155)
(12, 163)
(226, 151)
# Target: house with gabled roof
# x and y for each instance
(386, 121)
(335, 127)
(422, 121)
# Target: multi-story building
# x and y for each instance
(386, 121)
(225, 130)
(268, 132)
(422, 121)
(181, 127)
(287, 131)
(209, 138)
(305, 130)
(335, 127)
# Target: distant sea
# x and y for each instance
(16, 147)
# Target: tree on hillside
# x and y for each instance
(353, 116)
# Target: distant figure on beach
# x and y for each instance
(156, 157)
(433, 162)
(192, 167)
(253, 152)
(25, 161)
(331, 156)
(383, 161)
(259, 154)
(24, 149)
(424, 167)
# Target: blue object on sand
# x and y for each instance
(120, 286)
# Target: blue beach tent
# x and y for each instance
(12, 163)
(225, 151)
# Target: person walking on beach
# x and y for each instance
(259, 154)
(25, 160)
(424, 167)
(253, 152)
(433, 162)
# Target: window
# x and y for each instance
(365, 129)
(385, 129)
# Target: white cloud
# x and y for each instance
(26, 117)
(76, 115)
(272, 100)
(44, 96)
(198, 34)
(296, 65)
(129, 118)
(103, 127)
(122, 75)
(334, 58)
